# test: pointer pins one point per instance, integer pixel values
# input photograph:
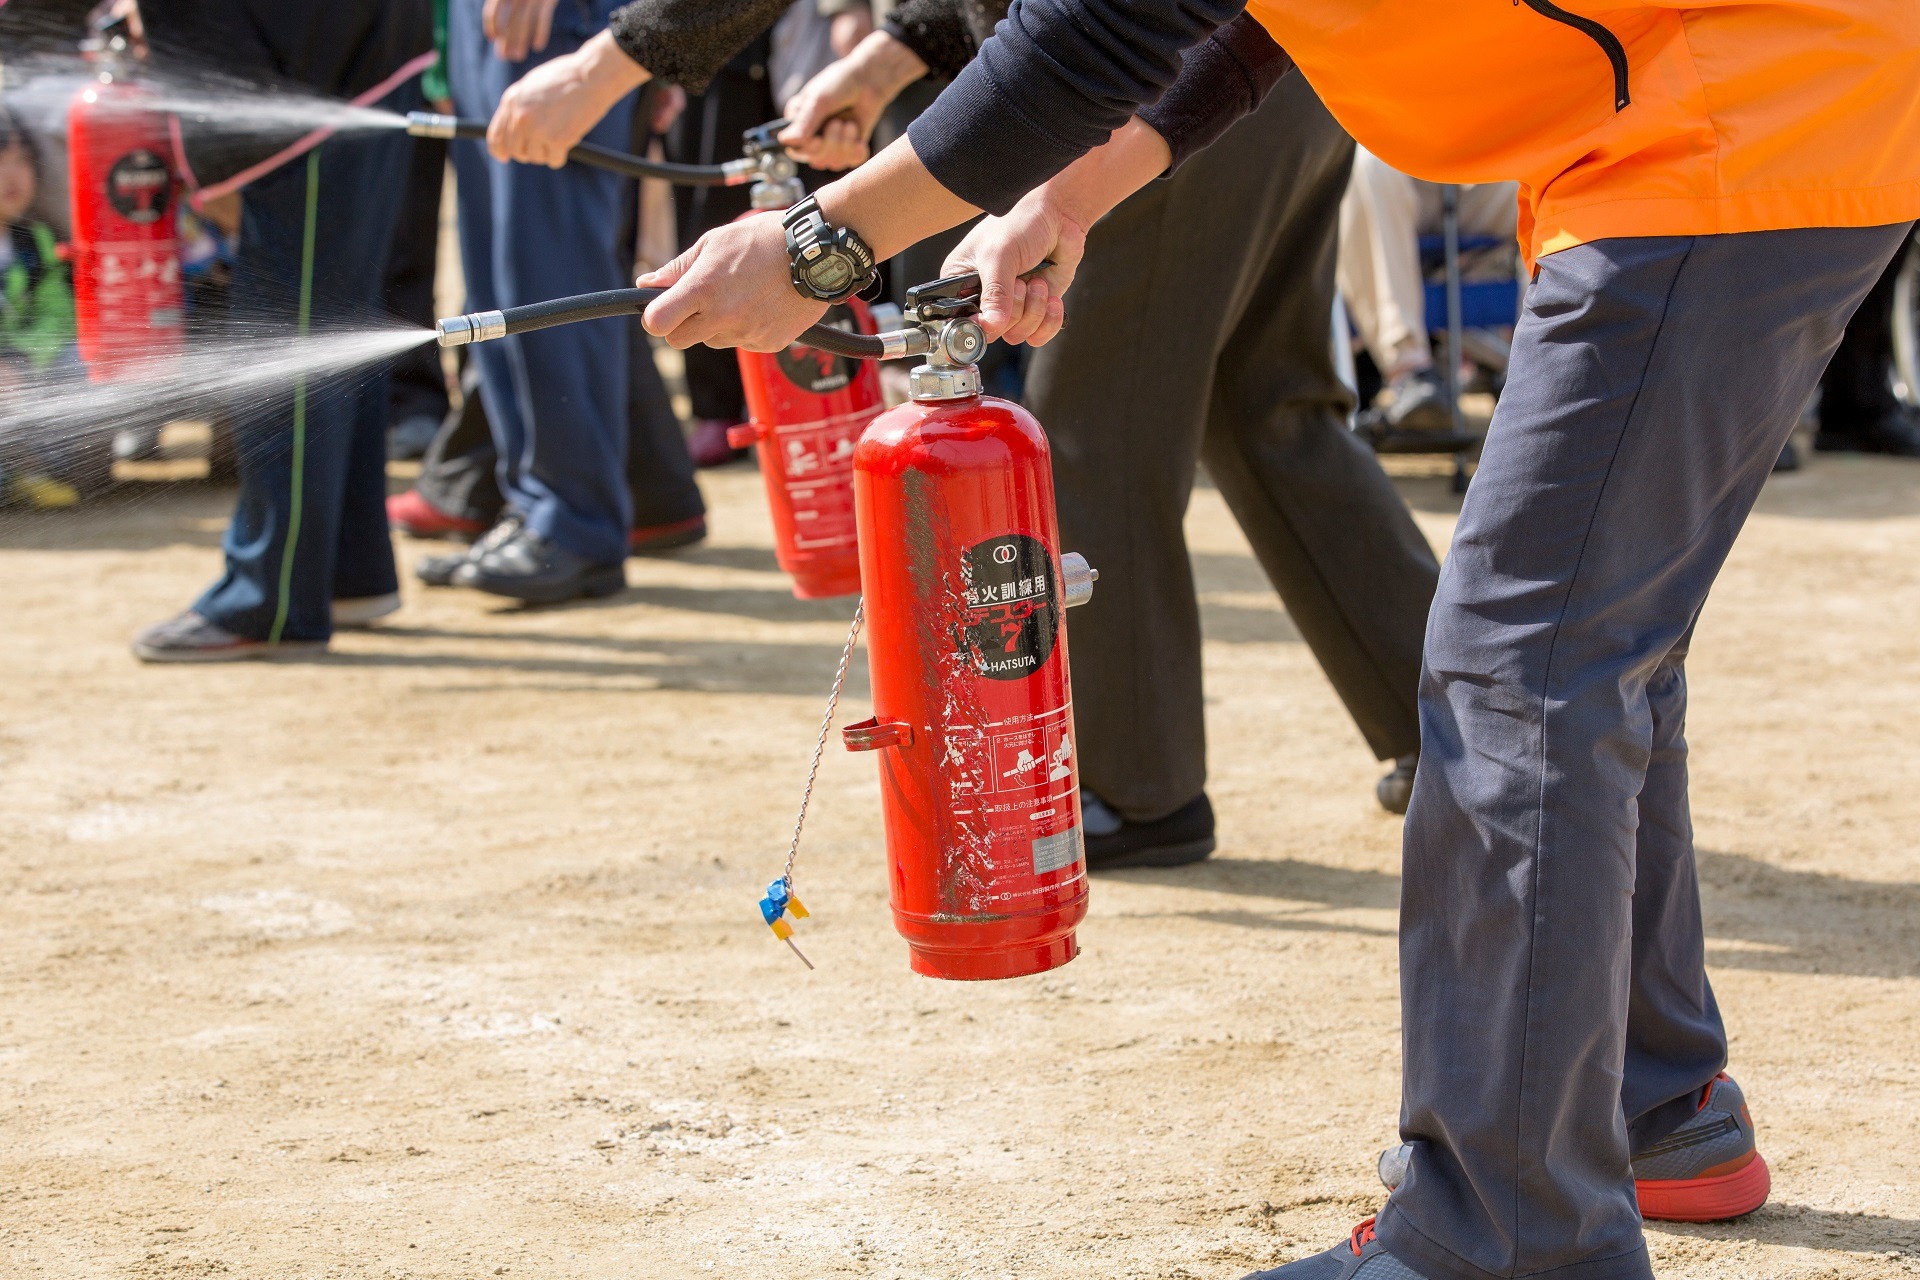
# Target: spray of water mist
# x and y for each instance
(211, 107)
(233, 379)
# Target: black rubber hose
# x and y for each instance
(626, 302)
(587, 153)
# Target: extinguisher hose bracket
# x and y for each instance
(1076, 579)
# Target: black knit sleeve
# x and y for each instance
(686, 42)
(1224, 77)
(1054, 82)
(937, 32)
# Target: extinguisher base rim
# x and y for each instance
(993, 965)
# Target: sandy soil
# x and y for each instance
(437, 957)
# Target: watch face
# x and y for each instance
(830, 275)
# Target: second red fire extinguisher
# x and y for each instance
(806, 407)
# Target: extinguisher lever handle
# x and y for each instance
(871, 735)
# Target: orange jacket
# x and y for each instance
(1631, 117)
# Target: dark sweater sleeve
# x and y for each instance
(1054, 82)
(1224, 77)
(937, 33)
(686, 42)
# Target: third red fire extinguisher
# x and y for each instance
(129, 302)
(806, 407)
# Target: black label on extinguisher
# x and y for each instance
(818, 371)
(1013, 606)
(139, 186)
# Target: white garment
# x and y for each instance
(1381, 221)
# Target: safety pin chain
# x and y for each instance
(780, 900)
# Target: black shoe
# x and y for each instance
(1183, 836)
(438, 571)
(537, 570)
(1396, 789)
(1789, 459)
(1893, 433)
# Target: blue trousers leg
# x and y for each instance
(1551, 957)
(556, 400)
(283, 555)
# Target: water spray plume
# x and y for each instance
(226, 379)
(210, 107)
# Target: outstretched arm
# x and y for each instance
(550, 109)
(974, 149)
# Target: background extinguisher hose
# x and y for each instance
(427, 125)
(487, 325)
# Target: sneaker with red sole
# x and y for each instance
(1360, 1257)
(414, 516)
(649, 539)
(1706, 1170)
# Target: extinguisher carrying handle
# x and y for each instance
(871, 735)
(734, 173)
(485, 326)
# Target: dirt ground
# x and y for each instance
(438, 956)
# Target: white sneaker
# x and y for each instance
(363, 611)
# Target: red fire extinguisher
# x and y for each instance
(965, 591)
(129, 303)
(806, 408)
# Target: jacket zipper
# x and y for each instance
(1608, 42)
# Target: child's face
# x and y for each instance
(16, 183)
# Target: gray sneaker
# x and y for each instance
(192, 638)
(1419, 403)
(1361, 1257)
(1706, 1170)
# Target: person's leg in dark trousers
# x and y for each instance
(556, 400)
(1201, 321)
(1858, 410)
(667, 506)
(459, 471)
(419, 393)
(1552, 983)
(306, 454)
(659, 469)
(708, 132)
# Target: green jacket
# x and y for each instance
(36, 300)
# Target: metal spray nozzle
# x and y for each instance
(429, 124)
(481, 326)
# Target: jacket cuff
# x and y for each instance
(1224, 77)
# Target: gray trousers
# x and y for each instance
(1199, 329)
(1554, 995)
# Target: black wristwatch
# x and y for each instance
(829, 264)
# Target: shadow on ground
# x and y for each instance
(1759, 916)
(1804, 1227)
(698, 666)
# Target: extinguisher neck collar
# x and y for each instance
(776, 193)
(933, 383)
